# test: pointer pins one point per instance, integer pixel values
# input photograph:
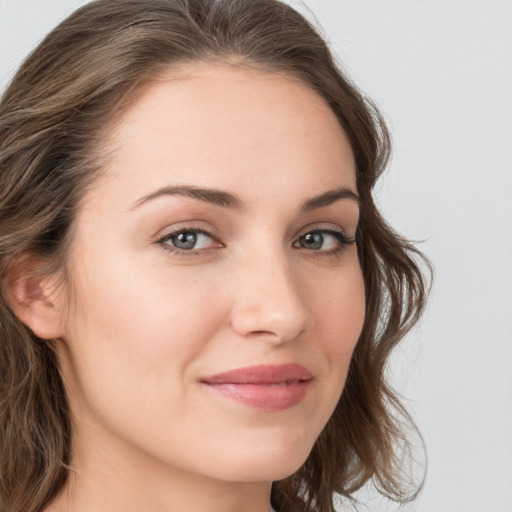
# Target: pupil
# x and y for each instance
(185, 240)
(313, 240)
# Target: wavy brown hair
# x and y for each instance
(52, 121)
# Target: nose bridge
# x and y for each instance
(268, 298)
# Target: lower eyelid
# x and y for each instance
(340, 236)
(165, 242)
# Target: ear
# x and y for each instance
(34, 298)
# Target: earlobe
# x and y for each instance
(34, 300)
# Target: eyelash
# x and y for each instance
(343, 240)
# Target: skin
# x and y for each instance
(139, 325)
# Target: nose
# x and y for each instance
(268, 299)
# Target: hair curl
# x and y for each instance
(51, 119)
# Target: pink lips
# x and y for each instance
(268, 387)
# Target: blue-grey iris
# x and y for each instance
(186, 240)
(312, 240)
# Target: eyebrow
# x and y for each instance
(231, 201)
(329, 197)
(209, 195)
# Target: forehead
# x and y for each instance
(212, 125)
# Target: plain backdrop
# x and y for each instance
(441, 71)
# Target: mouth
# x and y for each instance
(265, 387)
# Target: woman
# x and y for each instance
(199, 294)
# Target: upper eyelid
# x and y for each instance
(162, 241)
(318, 227)
(323, 226)
(170, 231)
(342, 237)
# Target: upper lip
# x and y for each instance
(262, 374)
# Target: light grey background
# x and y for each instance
(441, 71)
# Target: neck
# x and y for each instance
(109, 476)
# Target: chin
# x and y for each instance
(269, 471)
(264, 461)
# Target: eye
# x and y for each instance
(188, 240)
(324, 240)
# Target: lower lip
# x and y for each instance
(268, 397)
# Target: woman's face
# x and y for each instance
(218, 238)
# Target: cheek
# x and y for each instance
(339, 312)
(340, 309)
(147, 311)
(138, 332)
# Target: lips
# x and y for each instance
(267, 387)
